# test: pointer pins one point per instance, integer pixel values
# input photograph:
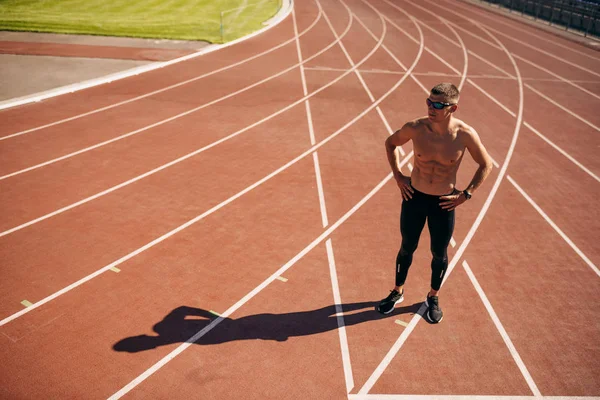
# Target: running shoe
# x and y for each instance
(434, 312)
(387, 305)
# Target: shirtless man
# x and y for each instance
(439, 143)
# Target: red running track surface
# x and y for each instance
(223, 227)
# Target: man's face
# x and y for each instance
(437, 114)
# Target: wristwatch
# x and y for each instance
(467, 194)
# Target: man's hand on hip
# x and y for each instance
(451, 201)
(404, 185)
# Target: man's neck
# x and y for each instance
(443, 127)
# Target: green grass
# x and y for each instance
(165, 19)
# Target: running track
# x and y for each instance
(252, 183)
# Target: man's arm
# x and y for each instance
(398, 138)
(481, 157)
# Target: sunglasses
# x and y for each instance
(438, 105)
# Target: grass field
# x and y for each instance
(166, 19)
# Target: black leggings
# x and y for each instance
(412, 220)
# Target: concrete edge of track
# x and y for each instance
(284, 11)
(587, 41)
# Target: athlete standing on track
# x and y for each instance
(439, 142)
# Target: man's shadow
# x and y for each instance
(184, 322)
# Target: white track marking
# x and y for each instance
(224, 203)
(523, 43)
(514, 55)
(460, 397)
(333, 273)
(528, 32)
(168, 87)
(398, 344)
(511, 348)
(287, 8)
(252, 293)
(358, 75)
(162, 122)
(501, 105)
(462, 74)
(495, 100)
(585, 121)
(337, 299)
(561, 151)
(555, 227)
(310, 125)
(198, 151)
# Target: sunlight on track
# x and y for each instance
(459, 252)
(232, 198)
(216, 71)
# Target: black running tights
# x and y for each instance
(412, 220)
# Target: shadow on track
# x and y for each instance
(184, 322)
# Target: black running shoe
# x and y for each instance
(434, 312)
(387, 305)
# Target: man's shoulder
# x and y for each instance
(416, 123)
(462, 128)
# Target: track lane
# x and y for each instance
(581, 55)
(199, 217)
(159, 142)
(367, 220)
(61, 107)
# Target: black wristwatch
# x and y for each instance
(467, 194)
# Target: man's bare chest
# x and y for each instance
(447, 150)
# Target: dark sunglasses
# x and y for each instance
(438, 105)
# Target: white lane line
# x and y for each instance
(165, 88)
(561, 151)
(224, 203)
(337, 299)
(462, 74)
(344, 348)
(501, 105)
(398, 344)
(180, 159)
(358, 74)
(566, 238)
(526, 124)
(183, 114)
(460, 397)
(514, 55)
(512, 349)
(529, 32)
(562, 107)
(524, 43)
(311, 131)
(284, 12)
(127, 388)
(555, 227)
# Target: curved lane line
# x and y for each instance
(556, 147)
(169, 87)
(456, 4)
(542, 51)
(398, 344)
(139, 70)
(162, 362)
(198, 151)
(164, 121)
(514, 55)
(230, 199)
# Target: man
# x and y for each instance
(429, 193)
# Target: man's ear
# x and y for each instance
(454, 108)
